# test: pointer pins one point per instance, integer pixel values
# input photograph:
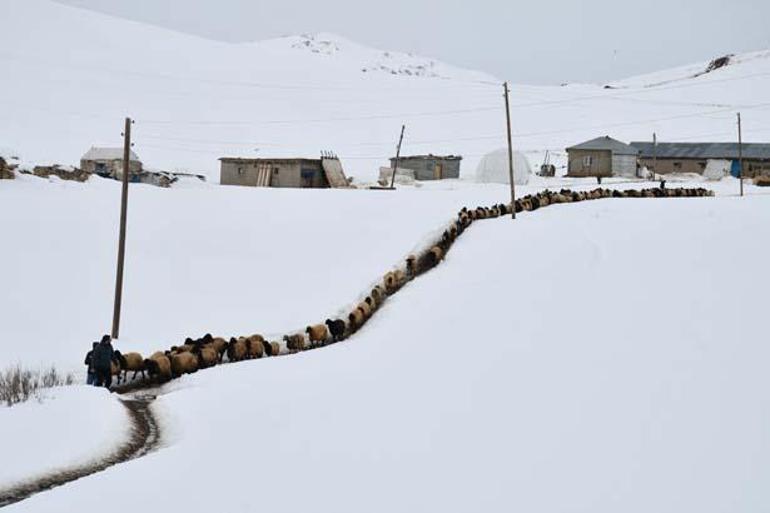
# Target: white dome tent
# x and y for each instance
(493, 168)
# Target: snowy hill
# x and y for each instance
(600, 356)
(74, 75)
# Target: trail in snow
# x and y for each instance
(145, 438)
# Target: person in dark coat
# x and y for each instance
(91, 374)
(102, 360)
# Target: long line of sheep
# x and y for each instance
(208, 351)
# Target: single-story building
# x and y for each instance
(430, 167)
(108, 162)
(282, 172)
(679, 157)
(603, 156)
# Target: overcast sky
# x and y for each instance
(539, 42)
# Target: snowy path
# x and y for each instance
(145, 438)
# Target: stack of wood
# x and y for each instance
(6, 173)
(65, 173)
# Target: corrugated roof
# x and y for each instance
(606, 143)
(429, 156)
(263, 159)
(96, 153)
(705, 150)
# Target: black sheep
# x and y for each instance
(336, 328)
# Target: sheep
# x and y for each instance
(183, 363)
(365, 309)
(295, 342)
(275, 348)
(131, 362)
(158, 367)
(255, 346)
(393, 280)
(115, 368)
(236, 349)
(379, 294)
(356, 319)
(431, 258)
(318, 333)
(336, 328)
(207, 356)
(220, 345)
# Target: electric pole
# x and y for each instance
(398, 154)
(740, 153)
(510, 152)
(654, 154)
(122, 236)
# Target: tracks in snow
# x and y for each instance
(144, 438)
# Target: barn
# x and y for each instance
(283, 172)
(603, 156)
(693, 157)
(430, 167)
(108, 162)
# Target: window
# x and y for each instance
(275, 170)
(240, 171)
(702, 165)
(677, 166)
(588, 161)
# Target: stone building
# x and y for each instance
(603, 156)
(430, 167)
(282, 172)
(678, 157)
(108, 162)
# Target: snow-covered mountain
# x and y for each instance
(71, 76)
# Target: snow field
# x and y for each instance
(71, 426)
(607, 359)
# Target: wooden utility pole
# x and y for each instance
(122, 236)
(398, 155)
(740, 153)
(510, 152)
(654, 154)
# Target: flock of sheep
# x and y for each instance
(208, 350)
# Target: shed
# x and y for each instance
(108, 162)
(678, 157)
(282, 172)
(430, 167)
(603, 156)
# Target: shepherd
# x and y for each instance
(90, 373)
(102, 360)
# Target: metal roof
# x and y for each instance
(428, 157)
(283, 160)
(729, 151)
(96, 153)
(606, 143)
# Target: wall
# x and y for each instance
(113, 167)
(666, 166)
(601, 164)
(624, 165)
(283, 173)
(424, 168)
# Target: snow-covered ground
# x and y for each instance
(601, 356)
(71, 76)
(204, 258)
(69, 426)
